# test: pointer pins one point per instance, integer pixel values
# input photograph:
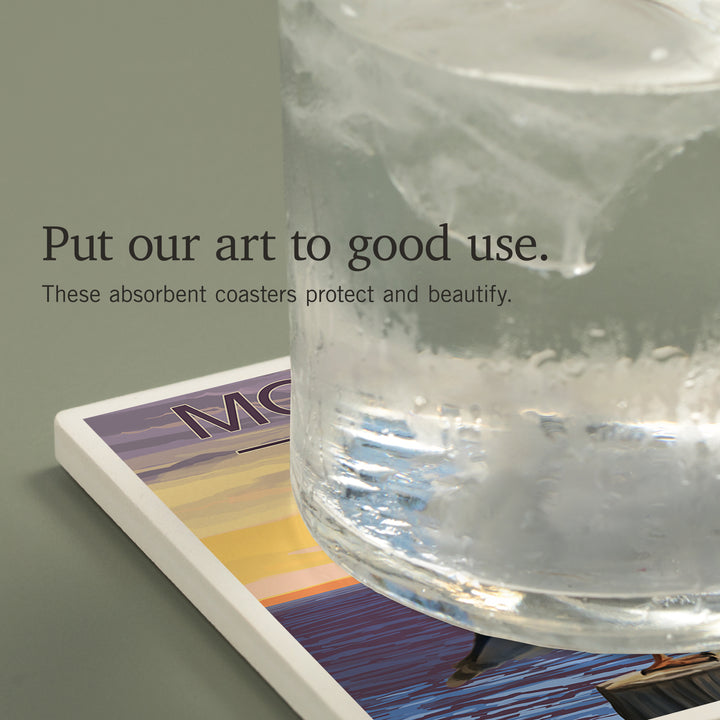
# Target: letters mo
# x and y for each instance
(234, 402)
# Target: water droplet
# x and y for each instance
(541, 357)
(666, 352)
(450, 411)
(348, 11)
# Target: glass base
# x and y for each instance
(644, 625)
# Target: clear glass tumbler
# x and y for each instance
(505, 342)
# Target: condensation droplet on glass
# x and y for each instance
(541, 357)
(666, 352)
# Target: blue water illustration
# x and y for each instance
(395, 663)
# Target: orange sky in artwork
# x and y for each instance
(231, 491)
(243, 510)
(277, 558)
(270, 549)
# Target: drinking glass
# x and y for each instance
(506, 238)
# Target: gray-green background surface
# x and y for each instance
(133, 118)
